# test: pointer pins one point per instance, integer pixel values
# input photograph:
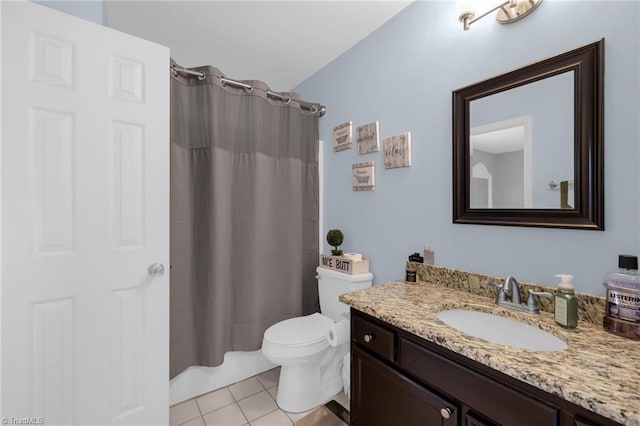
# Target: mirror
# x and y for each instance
(528, 145)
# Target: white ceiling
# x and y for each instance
(279, 42)
(499, 141)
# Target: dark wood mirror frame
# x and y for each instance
(587, 62)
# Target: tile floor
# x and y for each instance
(250, 402)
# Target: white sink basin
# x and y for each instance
(501, 330)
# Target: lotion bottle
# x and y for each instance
(428, 256)
(566, 303)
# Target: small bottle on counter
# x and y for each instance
(411, 275)
(622, 316)
(429, 256)
(566, 303)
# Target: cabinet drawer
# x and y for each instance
(498, 402)
(374, 337)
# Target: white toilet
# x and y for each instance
(311, 368)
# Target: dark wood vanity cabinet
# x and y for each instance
(398, 378)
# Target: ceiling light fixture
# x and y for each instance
(470, 11)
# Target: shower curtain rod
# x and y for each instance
(313, 108)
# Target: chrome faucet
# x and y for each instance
(509, 296)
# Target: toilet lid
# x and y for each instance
(300, 330)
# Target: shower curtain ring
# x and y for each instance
(202, 76)
(248, 89)
(287, 101)
(175, 71)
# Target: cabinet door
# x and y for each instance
(471, 419)
(502, 404)
(579, 421)
(383, 397)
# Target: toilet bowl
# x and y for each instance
(311, 369)
(300, 347)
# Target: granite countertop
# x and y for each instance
(599, 371)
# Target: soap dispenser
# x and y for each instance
(566, 303)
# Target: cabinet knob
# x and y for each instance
(368, 338)
(445, 412)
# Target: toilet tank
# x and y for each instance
(332, 284)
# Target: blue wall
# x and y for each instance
(403, 75)
(91, 10)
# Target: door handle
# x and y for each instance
(156, 269)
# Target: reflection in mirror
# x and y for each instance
(481, 186)
(525, 141)
(504, 149)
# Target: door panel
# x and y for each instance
(85, 211)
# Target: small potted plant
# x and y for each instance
(335, 238)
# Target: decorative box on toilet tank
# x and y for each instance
(345, 264)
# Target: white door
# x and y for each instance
(85, 211)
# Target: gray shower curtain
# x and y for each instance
(244, 216)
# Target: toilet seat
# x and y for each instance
(299, 331)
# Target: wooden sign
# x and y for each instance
(397, 151)
(344, 265)
(363, 176)
(368, 140)
(342, 136)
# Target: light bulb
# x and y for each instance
(465, 7)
